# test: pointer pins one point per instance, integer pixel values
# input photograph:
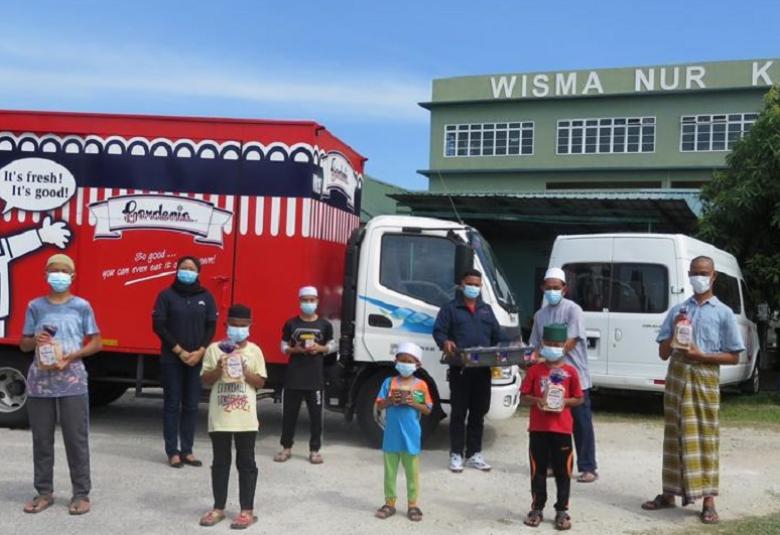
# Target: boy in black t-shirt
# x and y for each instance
(306, 338)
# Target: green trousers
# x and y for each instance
(411, 465)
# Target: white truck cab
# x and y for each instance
(403, 270)
(626, 283)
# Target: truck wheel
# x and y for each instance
(372, 421)
(753, 384)
(101, 394)
(13, 390)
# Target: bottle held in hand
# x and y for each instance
(233, 372)
(683, 331)
(554, 393)
(50, 354)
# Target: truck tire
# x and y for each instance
(371, 421)
(752, 385)
(13, 390)
(101, 394)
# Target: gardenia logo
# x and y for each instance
(132, 214)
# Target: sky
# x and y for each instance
(358, 67)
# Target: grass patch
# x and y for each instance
(761, 410)
(758, 525)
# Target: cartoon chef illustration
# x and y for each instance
(15, 246)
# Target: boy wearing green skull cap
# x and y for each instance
(550, 424)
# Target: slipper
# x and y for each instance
(588, 477)
(709, 515)
(315, 458)
(283, 456)
(191, 461)
(212, 518)
(534, 518)
(414, 514)
(79, 506)
(177, 464)
(386, 511)
(657, 503)
(243, 521)
(562, 521)
(39, 504)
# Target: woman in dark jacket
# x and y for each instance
(184, 318)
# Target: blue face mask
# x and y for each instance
(553, 296)
(186, 276)
(308, 308)
(552, 354)
(471, 292)
(237, 334)
(406, 369)
(59, 282)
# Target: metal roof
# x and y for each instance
(624, 210)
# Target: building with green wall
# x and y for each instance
(525, 157)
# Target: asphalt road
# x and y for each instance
(135, 492)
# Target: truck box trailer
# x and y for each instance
(267, 206)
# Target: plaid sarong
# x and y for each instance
(691, 430)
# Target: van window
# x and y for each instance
(751, 310)
(418, 266)
(640, 288)
(726, 288)
(589, 284)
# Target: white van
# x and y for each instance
(625, 284)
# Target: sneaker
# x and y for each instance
(456, 462)
(478, 461)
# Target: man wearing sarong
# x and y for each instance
(692, 394)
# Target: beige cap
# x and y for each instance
(60, 258)
(555, 273)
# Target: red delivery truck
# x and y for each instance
(267, 206)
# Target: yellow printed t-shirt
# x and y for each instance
(233, 406)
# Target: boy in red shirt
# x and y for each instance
(551, 388)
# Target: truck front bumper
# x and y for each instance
(504, 399)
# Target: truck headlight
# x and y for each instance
(502, 372)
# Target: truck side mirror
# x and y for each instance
(464, 260)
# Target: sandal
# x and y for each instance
(243, 521)
(657, 503)
(191, 460)
(283, 456)
(315, 457)
(709, 515)
(79, 506)
(39, 504)
(212, 518)
(588, 477)
(562, 521)
(386, 511)
(534, 518)
(175, 464)
(414, 514)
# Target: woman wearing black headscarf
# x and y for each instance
(184, 318)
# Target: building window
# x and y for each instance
(706, 133)
(617, 135)
(489, 139)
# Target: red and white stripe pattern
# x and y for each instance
(260, 216)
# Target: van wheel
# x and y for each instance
(13, 390)
(102, 394)
(753, 384)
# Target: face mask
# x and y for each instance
(553, 354)
(471, 292)
(186, 276)
(308, 308)
(59, 282)
(406, 369)
(237, 334)
(553, 296)
(700, 284)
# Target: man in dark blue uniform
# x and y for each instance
(467, 321)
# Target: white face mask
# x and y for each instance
(700, 283)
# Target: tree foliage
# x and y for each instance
(741, 205)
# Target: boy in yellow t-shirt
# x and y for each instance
(233, 415)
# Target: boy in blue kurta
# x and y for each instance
(404, 398)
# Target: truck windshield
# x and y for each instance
(492, 271)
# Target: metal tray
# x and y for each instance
(496, 356)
